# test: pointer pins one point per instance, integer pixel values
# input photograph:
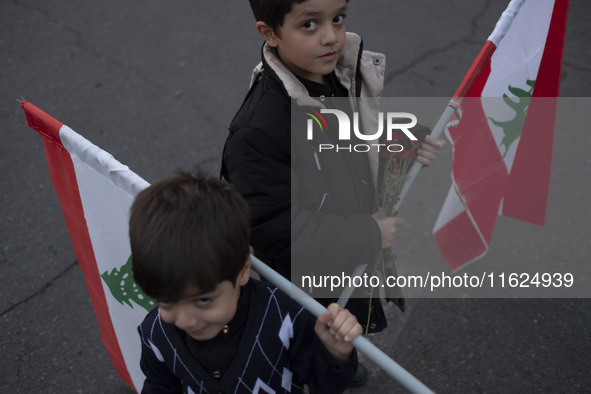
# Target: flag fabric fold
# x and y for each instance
(503, 136)
(95, 193)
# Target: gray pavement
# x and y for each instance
(156, 84)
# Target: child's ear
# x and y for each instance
(244, 275)
(267, 33)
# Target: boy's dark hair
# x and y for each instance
(187, 230)
(272, 12)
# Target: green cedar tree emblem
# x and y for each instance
(512, 128)
(124, 289)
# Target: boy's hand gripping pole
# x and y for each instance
(362, 344)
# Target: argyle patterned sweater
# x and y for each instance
(279, 352)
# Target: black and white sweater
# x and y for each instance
(279, 352)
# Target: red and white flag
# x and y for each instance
(502, 142)
(96, 193)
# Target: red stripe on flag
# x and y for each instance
(526, 197)
(479, 174)
(42, 123)
(459, 242)
(479, 171)
(476, 77)
(63, 177)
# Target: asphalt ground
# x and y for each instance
(156, 84)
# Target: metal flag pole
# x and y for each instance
(362, 344)
(501, 28)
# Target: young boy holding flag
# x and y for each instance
(215, 329)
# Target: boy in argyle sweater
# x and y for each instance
(215, 329)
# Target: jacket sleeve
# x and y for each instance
(259, 169)
(329, 243)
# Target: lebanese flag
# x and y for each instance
(503, 134)
(96, 193)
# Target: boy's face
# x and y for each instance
(311, 38)
(203, 315)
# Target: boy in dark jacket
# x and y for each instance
(301, 199)
(215, 329)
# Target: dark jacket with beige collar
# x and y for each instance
(308, 208)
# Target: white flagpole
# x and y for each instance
(501, 28)
(362, 344)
